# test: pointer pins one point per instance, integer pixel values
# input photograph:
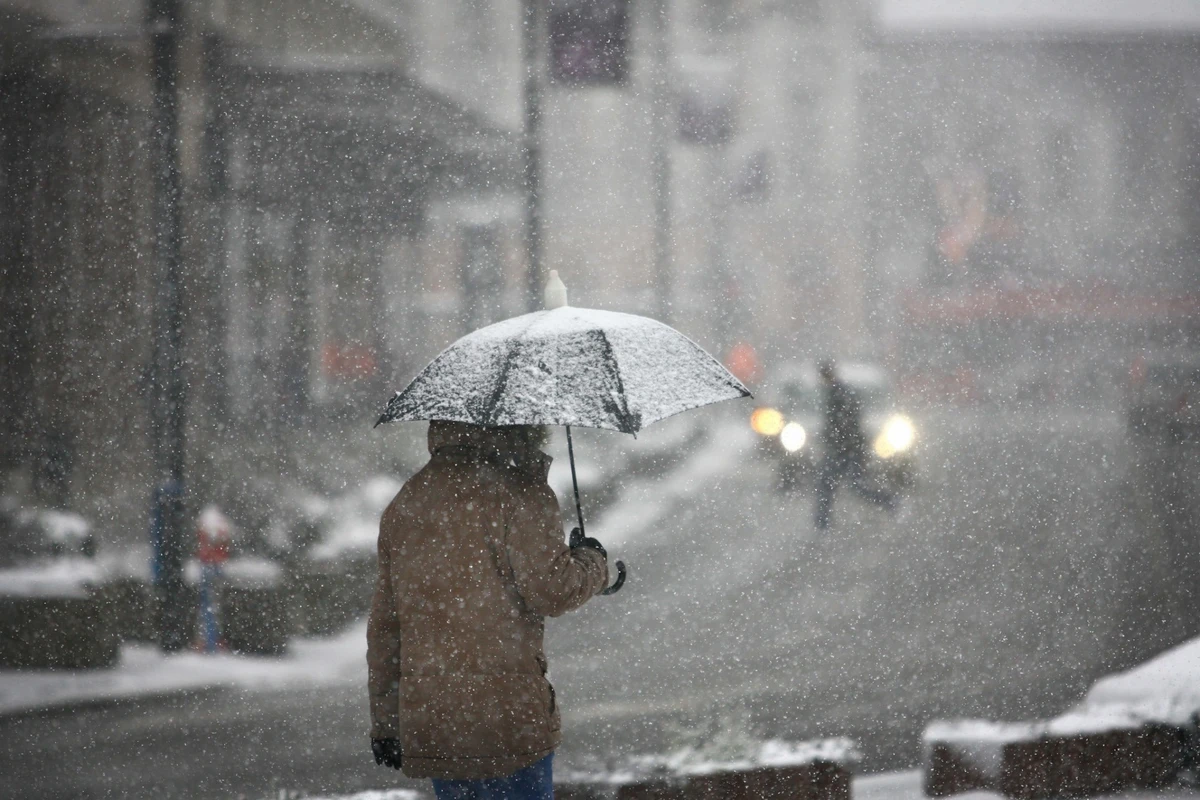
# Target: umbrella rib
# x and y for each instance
(393, 408)
(493, 404)
(606, 348)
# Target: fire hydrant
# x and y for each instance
(213, 535)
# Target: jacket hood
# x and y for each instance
(444, 434)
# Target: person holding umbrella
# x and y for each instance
(471, 556)
(471, 562)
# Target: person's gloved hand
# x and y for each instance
(579, 540)
(386, 752)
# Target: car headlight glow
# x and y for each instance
(766, 421)
(793, 437)
(897, 436)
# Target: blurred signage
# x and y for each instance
(589, 42)
(347, 361)
(980, 235)
(743, 362)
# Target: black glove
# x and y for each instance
(387, 752)
(579, 540)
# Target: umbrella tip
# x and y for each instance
(556, 291)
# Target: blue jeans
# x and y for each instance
(535, 782)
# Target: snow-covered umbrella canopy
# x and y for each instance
(567, 366)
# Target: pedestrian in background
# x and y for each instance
(471, 561)
(845, 447)
(213, 536)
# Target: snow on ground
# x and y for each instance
(907, 786)
(644, 502)
(1168, 683)
(375, 794)
(354, 519)
(145, 671)
(57, 577)
(886, 786)
(1165, 689)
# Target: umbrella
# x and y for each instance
(567, 366)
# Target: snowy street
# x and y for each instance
(859, 342)
(1003, 591)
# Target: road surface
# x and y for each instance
(1036, 557)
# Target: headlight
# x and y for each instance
(792, 437)
(898, 435)
(766, 421)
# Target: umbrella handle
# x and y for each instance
(620, 581)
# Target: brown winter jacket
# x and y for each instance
(471, 561)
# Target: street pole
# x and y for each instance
(841, 164)
(163, 20)
(533, 34)
(662, 128)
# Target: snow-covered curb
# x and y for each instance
(73, 578)
(1164, 690)
(145, 671)
(353, 519)
(1126, 732)
(884, 786)
(909, 786)
(689, 762)
(243, 572)
(771, 753)
(373, 794)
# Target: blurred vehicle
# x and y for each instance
(1164, 398)
(789, 425)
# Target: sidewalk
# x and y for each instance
(907, 786)
(145, 671)
(887, 786)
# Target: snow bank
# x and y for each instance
(1134, 712)
(644, 503)
(1164, 690)
(146, 671)
(59, 577)
(979, 743)
(353, 520)
(691, 761)
(902, 786)
(1167, 687)
(244, 572)
(64, 527)
(771, 753)
(378, 794)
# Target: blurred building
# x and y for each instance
(849, 177)
(310, 161)
(906, 145)
(1041, 217)
(830, 159)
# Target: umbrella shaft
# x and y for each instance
(574, 480)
